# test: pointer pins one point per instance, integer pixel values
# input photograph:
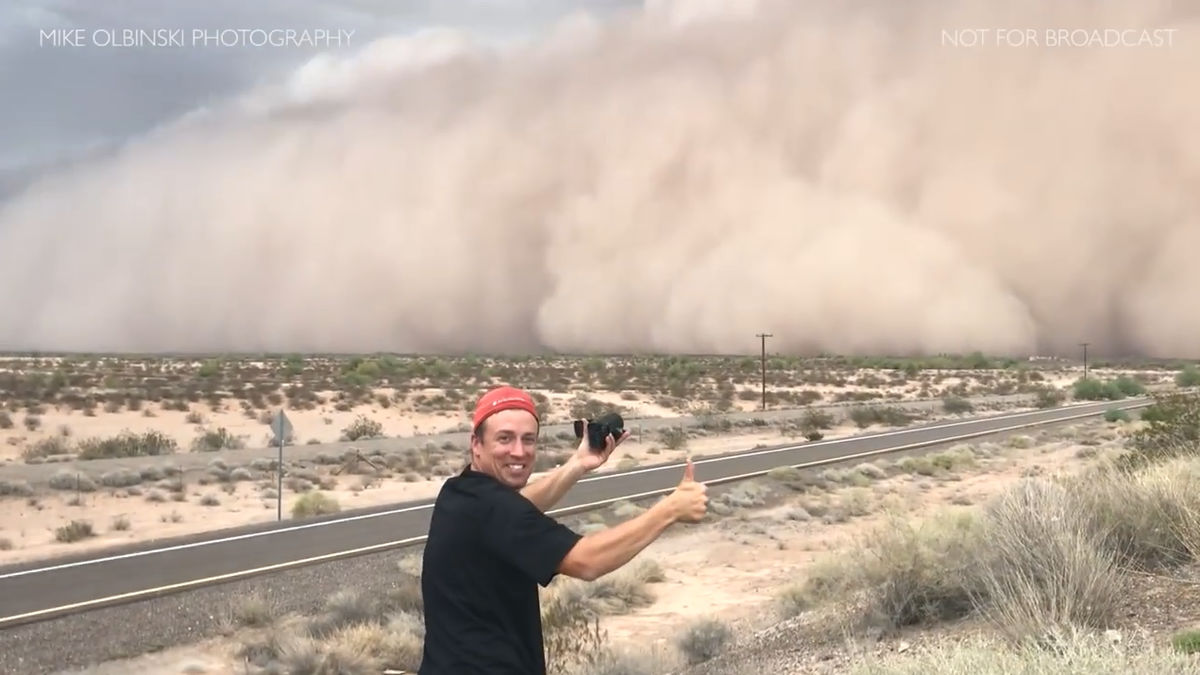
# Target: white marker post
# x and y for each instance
(282, 428)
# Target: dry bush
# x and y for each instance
(253, 611)
(68, 480)
(362, 428)
(1147, 517)
(571, 610)
(571, 632)
(1044, 556)
(625, 661)
(704, 639)
(128, 444)
(314, 504)
(1042, 566)
(212, 440)
(1074, 653)
(74, 531)
(15, 488)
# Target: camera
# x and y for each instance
(600, 428)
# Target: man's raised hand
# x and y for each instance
(690, 497)
(591, 459)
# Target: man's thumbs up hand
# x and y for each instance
(690, 499)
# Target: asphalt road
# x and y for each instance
(35, 593)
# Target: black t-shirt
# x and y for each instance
(488, 549)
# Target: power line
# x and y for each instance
(763, 337)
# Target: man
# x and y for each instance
(490, 543)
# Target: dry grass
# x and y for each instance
(1074, 653)
(1045, 556)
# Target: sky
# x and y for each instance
(499, 176)
(67, 102)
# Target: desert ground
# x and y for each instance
(924, 563)
(135, 449)
(75, 416)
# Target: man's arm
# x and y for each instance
(547, 490)
(602, 552)
(598, 554)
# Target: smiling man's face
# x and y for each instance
(507, 448)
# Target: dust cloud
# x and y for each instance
(838, 174)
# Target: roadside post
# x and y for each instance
(281, 426)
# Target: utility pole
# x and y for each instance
(763, 337)
(1085, 367)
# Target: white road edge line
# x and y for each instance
(605, 476)
(565, 510)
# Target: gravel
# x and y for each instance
(124, 631)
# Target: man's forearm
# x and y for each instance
(547, 490)
(609, 549)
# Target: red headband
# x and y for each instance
(502, 398)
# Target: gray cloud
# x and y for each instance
(832, 173)
(64, 102)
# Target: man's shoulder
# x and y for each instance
(476, 488)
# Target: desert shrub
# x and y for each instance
(253, 610)
(1091, 389)
(902, 574)
(865, 416)
(314, 504)
(704, 639)
(1129, 386)
(1048, 397)
(1074, 652)
(673, 438)
(219, 439)
(814, 420)
(571, 631)
(120, 478)
(1188, 377)
(349, 637)
(46, 447)
(128, 444)
(1113, 415)
(637, 661)
(15, 488)
(71, 480)
(73, 531)
(1043, 567)
(1147, 517)
(1173, 429)
(362, 427)
(1186, 642)
(571, 610)
(956, 404)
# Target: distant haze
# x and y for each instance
(830, 172)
